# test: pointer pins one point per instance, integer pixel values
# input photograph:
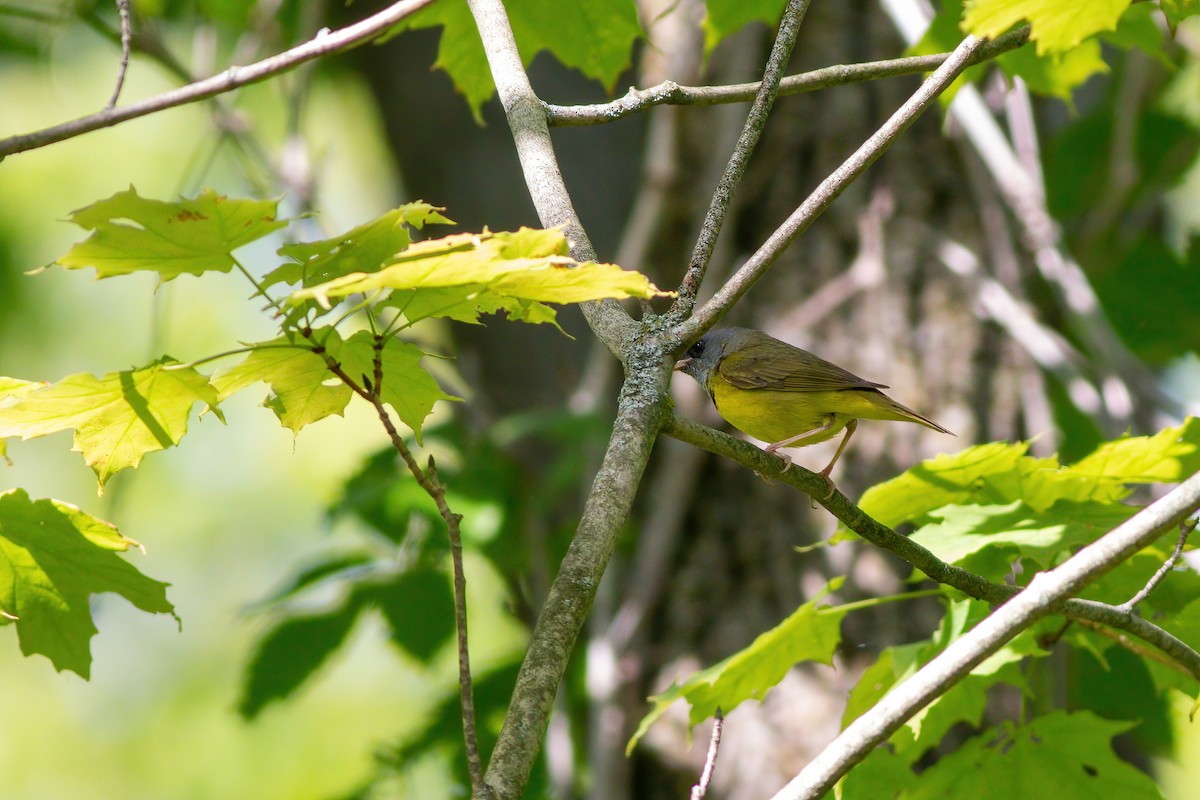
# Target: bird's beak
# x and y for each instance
(681, 363)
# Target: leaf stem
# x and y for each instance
(236, 351)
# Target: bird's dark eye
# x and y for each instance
(696, 350)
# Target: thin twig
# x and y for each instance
(1185, 528)
(933, 567)
(829, 189)
(671, 93)
(466, 693)
(710, 761)
(1134, 647)
(429, 482)
(324, 43)
(126, 39)
(756, 120)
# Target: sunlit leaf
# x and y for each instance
(131, 233)
(406, 387)
(959, 531)
(994, 473)
(13, 388)
(811, 633)
(118, 418)
(1056, 25)
(53, 558)
(365, 248)
(1169, 456)
(527, 265)
(303, 389)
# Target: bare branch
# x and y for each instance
(710, 761)
(934, 568)
(828, 191)
(756, 120)
(126, 39)
(671, 93)
(234, 77)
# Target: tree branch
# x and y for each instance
(527, 119)
(234, 77)
(671, 93)
(933, 567)
(756, 120)
(829, 189)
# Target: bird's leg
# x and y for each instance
(791, 440)
(850, 428)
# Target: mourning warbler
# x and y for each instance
(784, 395)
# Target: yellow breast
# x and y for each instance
(773, 416)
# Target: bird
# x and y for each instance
(786, 396)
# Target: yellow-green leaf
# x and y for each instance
(118, 418)
(406, 387)
(303, 389)
(53, 558)
(365, 248)
(1056, 25)
(1169, 456)
(131, 233)
(526, 265)
(11, 388)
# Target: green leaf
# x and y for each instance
(811, 633)
(131, 233)
(1055, 74)
(526, 265)
(961, 531)
(117, 418)
(291, 652)
(1056, 25)
(419, 607)
(303, 389)
(327, 567)
(365, 248)
(1139, 27)
(882, 775)
(995, 473)
(596, 38)
(729, 16)
(1178, 10)
(1060, 755)
(53, 558)
(964, 702)
(407, 387)
(1169, 456)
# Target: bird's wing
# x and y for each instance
(765, 365)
